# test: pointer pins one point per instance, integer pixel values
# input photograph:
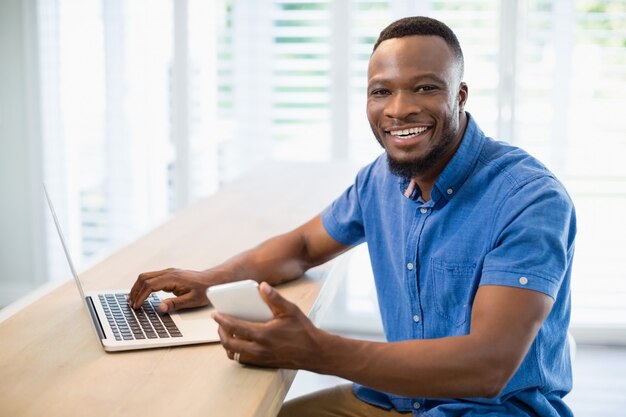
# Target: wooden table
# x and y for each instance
(52, 364)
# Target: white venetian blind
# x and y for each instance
(286, 79)
(300, 97)
(367, 19)
(106, 121)
(594, 166)
(571, 75)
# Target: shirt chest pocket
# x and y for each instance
(453, 288)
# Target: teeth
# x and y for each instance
(412, 131)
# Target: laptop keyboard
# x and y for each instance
(143, 323)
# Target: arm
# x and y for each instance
(505, 321)
(276, 260)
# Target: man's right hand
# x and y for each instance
(188, 286)
(279, 259)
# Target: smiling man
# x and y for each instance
(415, 103)
(471, 242)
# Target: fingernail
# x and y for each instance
(265, 287)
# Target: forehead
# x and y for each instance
(412, 55)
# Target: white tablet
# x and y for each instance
(240, 299)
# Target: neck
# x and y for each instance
(425, 188)
(426, 181)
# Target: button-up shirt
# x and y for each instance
(496, 216)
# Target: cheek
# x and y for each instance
(373, 111)
(448, 108)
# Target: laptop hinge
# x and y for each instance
(94, 318)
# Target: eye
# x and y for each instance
(379, 92)
(425, 88)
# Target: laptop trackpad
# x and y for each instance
(200, 313)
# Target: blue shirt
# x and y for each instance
(496, 216)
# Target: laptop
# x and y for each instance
(119, 327)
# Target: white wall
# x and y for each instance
(21, 221)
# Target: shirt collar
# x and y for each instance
(456, 171)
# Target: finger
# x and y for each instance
(132, 295)
(240, 329)
(277, 303)
(233, 344)
(226, 323)
(140, 290)
(143, 293)
(161, 281)
(186, 300)
(230, 354)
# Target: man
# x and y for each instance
(471, 243)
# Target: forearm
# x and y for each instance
(279, 259)
(283, 257)
(505, 322)
(453, 367)
(276, 260)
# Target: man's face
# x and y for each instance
(415, 101)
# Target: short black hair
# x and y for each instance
(426, 26)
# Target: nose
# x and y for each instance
(400, 105)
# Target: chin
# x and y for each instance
(414, 166)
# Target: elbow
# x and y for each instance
(492, 369)
(492, 390)
(495, 379)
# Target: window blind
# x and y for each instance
(264, 83)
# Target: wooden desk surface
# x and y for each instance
(52, 364)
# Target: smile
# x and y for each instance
(408, 133)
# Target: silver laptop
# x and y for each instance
(120, 327)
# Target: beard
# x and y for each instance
(420, 165)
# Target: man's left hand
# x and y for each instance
(289, 340)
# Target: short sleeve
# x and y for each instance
(534, 233)
(343, 219)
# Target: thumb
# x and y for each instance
(170, 305)
(279, 305)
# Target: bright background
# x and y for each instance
(133, 109)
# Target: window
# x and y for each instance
(593, 167)
(569, 78)
(106, 79)
(150, 105)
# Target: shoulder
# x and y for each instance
(514, 169)
(524, 194)
(375, 178)
(376, 169)
(343, 219)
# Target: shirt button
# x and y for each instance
(409, 266)
(424, 210)
(523, 280)
(416, 405)
(450, 191)
(416, 318)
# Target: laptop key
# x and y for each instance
(147, 322)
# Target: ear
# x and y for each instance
(462, 96)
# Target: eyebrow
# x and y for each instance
(429, 76)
